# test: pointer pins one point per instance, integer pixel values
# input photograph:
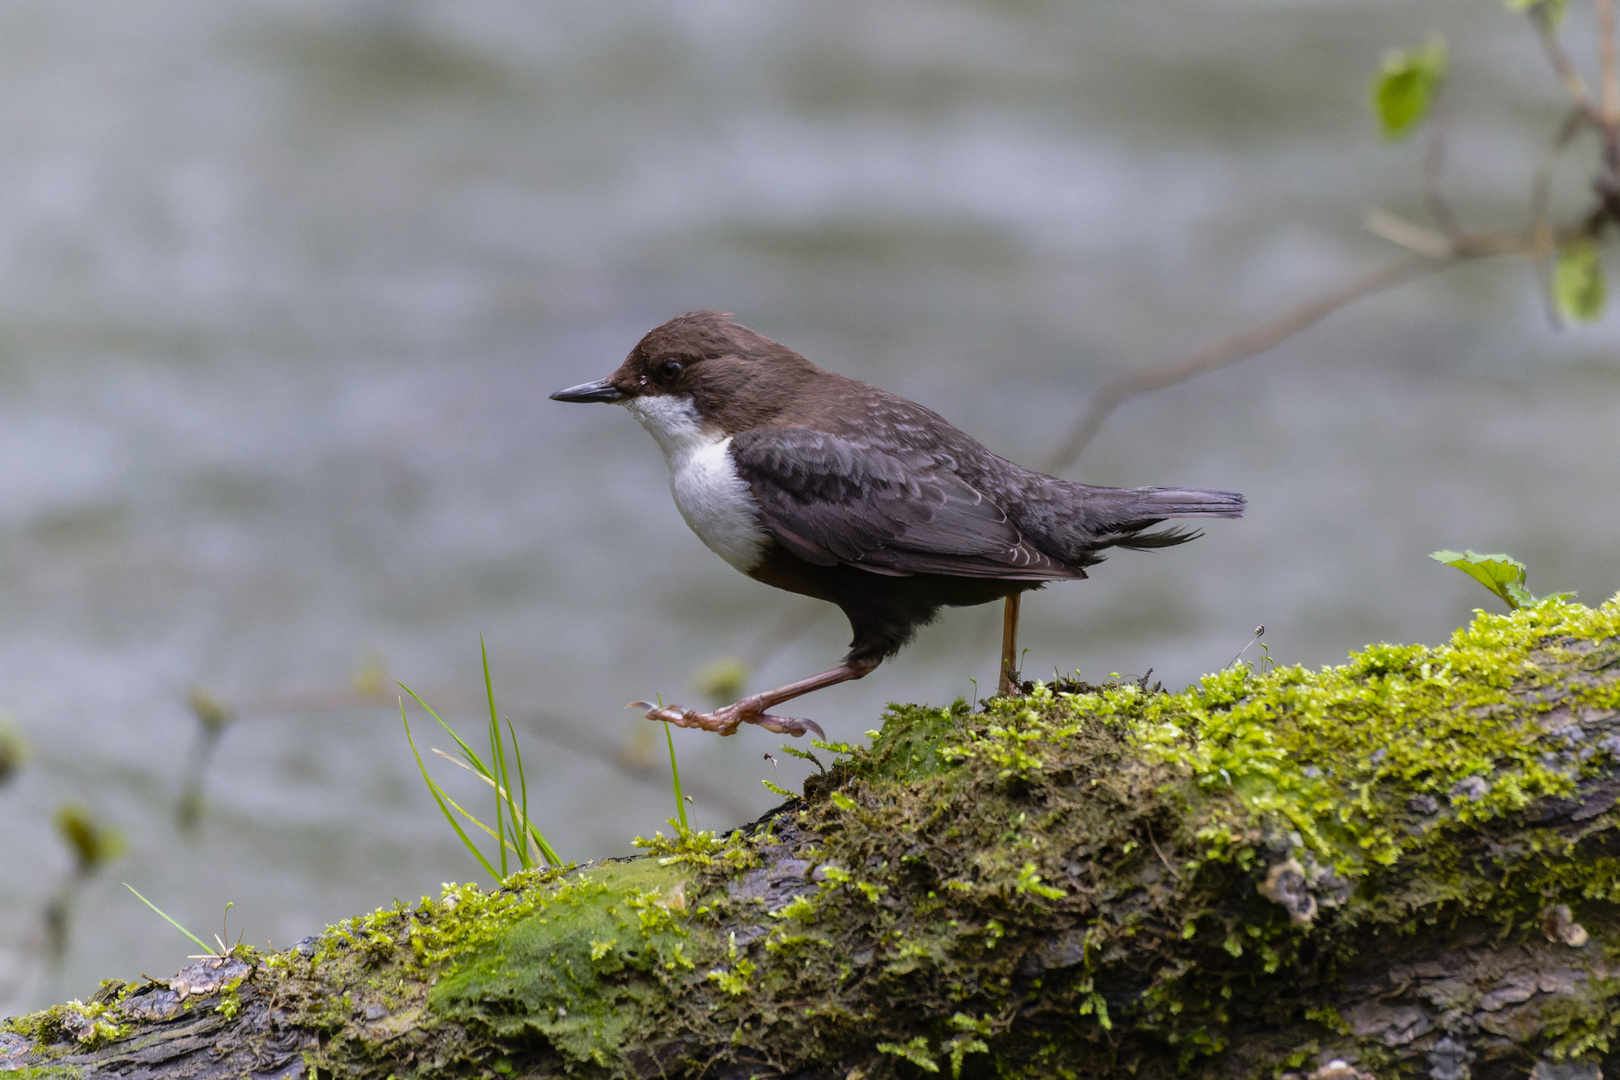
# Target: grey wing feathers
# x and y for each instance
(830, 500)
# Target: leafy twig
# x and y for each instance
(1403, 93)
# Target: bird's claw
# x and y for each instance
(789, 725)
(725, 721)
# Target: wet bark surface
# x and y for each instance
(178, 1030)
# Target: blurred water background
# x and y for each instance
(284, 286)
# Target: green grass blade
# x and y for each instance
(205, 946)
(499, 791)
(546, 849)
(675, 772)
(466, 751)
(514, 830)
(549, 852)
(532, 852)
(497, 755)
(441, 798)
(523, 780)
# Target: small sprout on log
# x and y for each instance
(1502, 574)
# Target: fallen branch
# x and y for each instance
(1402, 866)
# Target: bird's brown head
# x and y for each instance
(734, 378)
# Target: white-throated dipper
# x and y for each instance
(825, 486)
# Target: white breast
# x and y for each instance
(713, 499)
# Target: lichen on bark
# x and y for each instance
(1406, 864)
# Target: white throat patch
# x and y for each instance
(713, 499)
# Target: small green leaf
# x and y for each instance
(1502, 574)
(915, 1051)
(1404, 87)
(1578, 285)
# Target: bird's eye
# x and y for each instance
(670, 369)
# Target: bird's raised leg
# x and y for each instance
(1009, 647)
(751, 709)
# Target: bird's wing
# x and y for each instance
(830, 500)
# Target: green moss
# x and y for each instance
(553, 973)
(83, 1025)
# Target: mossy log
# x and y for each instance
(1404, 866)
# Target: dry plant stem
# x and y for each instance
(1609, 73)
(1541, 230)
(1574, 85)
(1542, 240)
(1009, 645)
(1230, 350)
(1434, 162)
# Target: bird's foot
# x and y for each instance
(725, 721)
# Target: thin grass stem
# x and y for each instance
(439, 796)
(523, 789)
(537, 837)
(176, 925)
(514, 831)
(496, 751)
(675, 773)
(466, 751)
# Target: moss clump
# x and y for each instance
(85, 1025)
(553, 974)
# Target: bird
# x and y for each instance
(818, 484)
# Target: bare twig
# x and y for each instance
(1608, 71)
(1541, 232)
(1574, 85)
(1541, 229)
(1434, 162)
(1409, 234)
(1237, 347)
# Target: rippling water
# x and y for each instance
(283, 288)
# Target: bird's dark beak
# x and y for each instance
(601, 390)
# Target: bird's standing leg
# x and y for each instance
(751, 709)
(1009, 647)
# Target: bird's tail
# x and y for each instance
(1183, 503)
(1117, 517)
